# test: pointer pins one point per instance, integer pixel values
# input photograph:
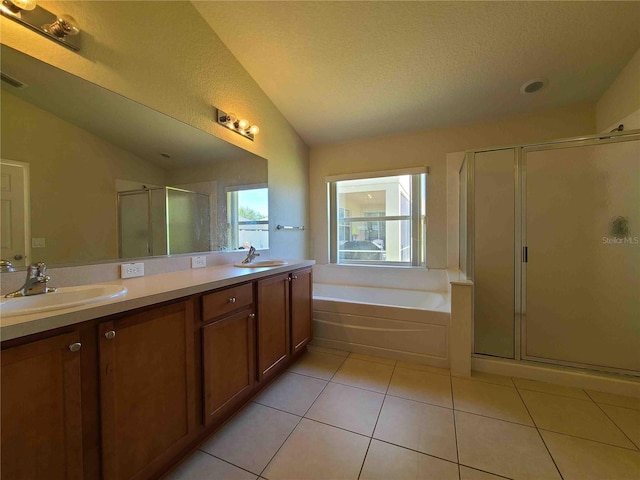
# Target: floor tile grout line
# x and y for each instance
(540, 434)
(475, 380)
(613, 404)
(588, 399)
(339, 428)
(418, 451)
(634, 450)
(420, 401)
(455, 427)
(353, 386)
(228, 462)
(299, 421)
(496, 418)
(377, 419)
(276, 408)
(485, 471)
(614, 422)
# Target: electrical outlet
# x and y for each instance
(198, 262)
(129, 270)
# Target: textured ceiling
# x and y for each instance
(345, 70)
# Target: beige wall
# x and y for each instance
(164, 55)
(73, 201)
(430, 148)
(621, 102)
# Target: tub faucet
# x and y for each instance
(251, 255)
(36, 282)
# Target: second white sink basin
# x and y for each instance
(262, 264)
(65, 297)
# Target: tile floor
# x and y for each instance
(335, 415)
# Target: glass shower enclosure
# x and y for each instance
(163, 221)
(553, 248)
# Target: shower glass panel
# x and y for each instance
(581, 296)
(157, 211)
(493, 256)
(134, 224)
(188, 221)
(163, 221)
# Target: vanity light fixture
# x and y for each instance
(241, 126)
(60, 28)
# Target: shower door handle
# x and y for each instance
(525, 254)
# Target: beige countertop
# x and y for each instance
(142, 292)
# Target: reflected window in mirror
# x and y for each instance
(248, 217)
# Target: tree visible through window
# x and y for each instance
(396, 236)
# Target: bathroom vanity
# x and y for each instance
(125, 388)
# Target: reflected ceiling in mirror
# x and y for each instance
(69, 151)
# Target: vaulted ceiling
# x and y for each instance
(351, 69)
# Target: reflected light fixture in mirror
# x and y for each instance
(241, 127)
(14, 7)
(61, 28)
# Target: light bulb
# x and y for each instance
(231, 119)
(242, 124)
(24, 4)
(63, 26)
(254, 130)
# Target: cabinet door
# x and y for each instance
(147, 389)
(41, 410)
(228, 352)
(273, 324)
(301, 311)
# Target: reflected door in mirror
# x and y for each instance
(14, 193)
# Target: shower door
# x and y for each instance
(581, 254)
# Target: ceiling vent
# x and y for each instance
(533, 86)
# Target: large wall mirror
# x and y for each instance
(90, 176)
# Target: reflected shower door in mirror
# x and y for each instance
(84, 145)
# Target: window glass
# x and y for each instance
(378, 220)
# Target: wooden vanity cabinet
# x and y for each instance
(228, 351)
(284, 319)
(41, 409)
(301, 309)
(273, 325)
(147, 397)
(131, 394)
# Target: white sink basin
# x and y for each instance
(262, 264)
(65, 297)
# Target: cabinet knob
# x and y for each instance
(252, 315)
(295, 277)
(110, 335)
(74, 347)
(232, 300)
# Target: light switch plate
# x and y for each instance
(198, 262)
(130, 270)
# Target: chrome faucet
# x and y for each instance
(251, 255)
(36, 282)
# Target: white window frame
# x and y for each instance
(418, 220)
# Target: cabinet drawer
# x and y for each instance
(224, 301)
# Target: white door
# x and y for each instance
(14, 212)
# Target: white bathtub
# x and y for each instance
(410, 325)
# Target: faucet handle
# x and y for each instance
(42, 268)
